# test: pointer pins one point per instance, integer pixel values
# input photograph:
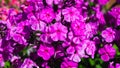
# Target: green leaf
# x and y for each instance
(98, 66)
(92, 62)
(116, 47)
(91, 4)
(81, 66)
(101, 45)
(7, 64)
(7, 1)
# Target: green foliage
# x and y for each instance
(26, 51)
(91, 4)
(7, 64)
(7, 1)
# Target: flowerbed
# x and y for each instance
(60, 34)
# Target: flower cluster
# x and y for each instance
(60, 34)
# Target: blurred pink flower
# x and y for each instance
(103, 2)
(111, 65)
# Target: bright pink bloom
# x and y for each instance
(69, 64)
(90, 47)
(111, 65)
(90, 29)
(1, 60)
(71, 14)
(76, 52)
(46, 36)
(47, 15)
(107, 52)
(50, 2)
(59, 32)
(78, 28)
(45, 52)
(103, 2)
(75, 57)
(28, 63)
(108, 34)
(118, 65)
(20, 39)
(115, 12)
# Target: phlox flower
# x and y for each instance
(46, 34)
(28, 63)
(1, 61)
(108, 34)
(90, 29)
(20, 39)
(103, 2)
(71, 14)
(45, 52)
(76, 52)
(68, 64)
(115, 12)
(50, 2)
(117, 65)
(107, 52)
(76, 39)
(90, 47)
(47, 14)
(59, 32)
(78, 28)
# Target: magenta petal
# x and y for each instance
(70, 50)
(105, 57)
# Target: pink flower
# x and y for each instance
(118, 65)
(68, 64)
(78, 28)
(28, 63)
(59, 32)
(76, 52)
(58, 15)
(71, 14)
(1, 60)
(45, 37)
(50, 2)
(75, 57)
(20, 39)
(111, 65)
(90, 47)
(103, 2)
(40, 26)
(45, 52)
(74, 38)
(107, 52)
(91, 29)
(108, 34)
(47, 15)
